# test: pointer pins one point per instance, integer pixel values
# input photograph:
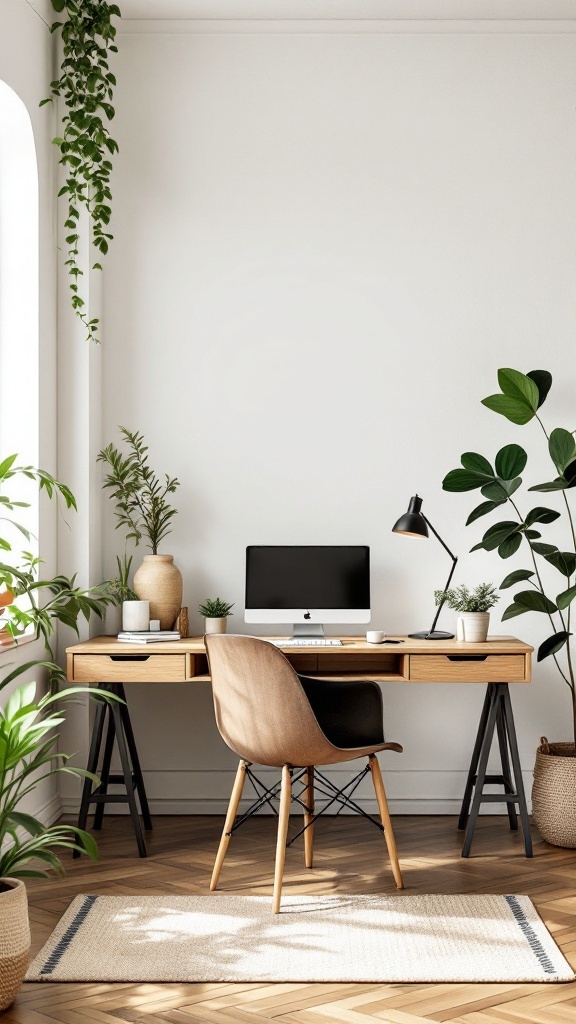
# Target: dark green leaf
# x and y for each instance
(543, 381)
(512, 610)
(570, 474)
(510, 461)
(462, 480)
(510, 546)
(562, 448)
(566, 598)
(482, 510)
(541, 515)
(495, 491)
(517, 385)
(515, 577)
(534, 601)
(514, 410)
(476, 463)
(563, 561)
(554, 485)
(552, 645)
(497, 534)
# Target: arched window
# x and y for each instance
(19, 289)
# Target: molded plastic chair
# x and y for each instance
(269, 715)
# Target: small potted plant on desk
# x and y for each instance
(215, 612)
(120, 591)
(473, 607)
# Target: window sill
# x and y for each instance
(13, 645)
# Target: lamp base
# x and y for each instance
(436, 635)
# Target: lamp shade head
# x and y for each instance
(412, 523)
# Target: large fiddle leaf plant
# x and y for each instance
(519, 400)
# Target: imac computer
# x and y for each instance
(307, 586)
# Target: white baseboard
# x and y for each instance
(417, 792)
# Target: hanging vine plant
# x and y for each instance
(86, 84)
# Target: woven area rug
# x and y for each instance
(396, 938)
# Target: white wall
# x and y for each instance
(325, 245)
(26, 65)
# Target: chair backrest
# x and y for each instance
(261, 709)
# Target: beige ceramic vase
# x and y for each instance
(160, 582)
(14, 939)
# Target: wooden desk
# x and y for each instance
(498, 662)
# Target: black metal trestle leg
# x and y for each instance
(119, 728)
(497, 716)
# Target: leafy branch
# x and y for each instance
(140, 496)
(520, 399)
(86, 85)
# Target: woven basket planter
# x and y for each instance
(14, 939)
(554, 793)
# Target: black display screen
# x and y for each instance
(308, 577)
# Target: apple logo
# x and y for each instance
(307, 615)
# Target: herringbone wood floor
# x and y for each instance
(350, 858)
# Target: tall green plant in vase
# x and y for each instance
(144, 511)
(519, 400)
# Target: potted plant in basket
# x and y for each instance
(28, 722)
(142, 507)
(473, 607)
(215, 612)
(519, 400)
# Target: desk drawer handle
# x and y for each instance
(129, 657)
(466, 657)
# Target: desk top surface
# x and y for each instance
(350, 645)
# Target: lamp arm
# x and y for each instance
(447, 584)
(450, 575)
(438, 537)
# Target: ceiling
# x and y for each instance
(456, 10)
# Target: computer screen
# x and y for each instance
(308, 583)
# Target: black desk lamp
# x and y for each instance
(414, 524)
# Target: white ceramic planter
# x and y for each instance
(472, 627)
(135, 615)
(215, 625)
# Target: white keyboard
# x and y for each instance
(307, 642)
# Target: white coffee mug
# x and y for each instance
(135, 616)
(375, 636)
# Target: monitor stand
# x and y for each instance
(308, 629)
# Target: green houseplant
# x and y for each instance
(143, 509)
(28, 724)
(519, 400)
(474, 608)
(215, 612)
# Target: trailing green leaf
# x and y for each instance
(535, 601)
(86, 86)
(563, 561)
(495, 535)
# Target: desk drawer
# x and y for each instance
(129, 668)
(467, 668)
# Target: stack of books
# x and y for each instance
(149, 637)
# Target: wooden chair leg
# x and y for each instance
(285, 801)
(308, 798)
(230, 818)
(385, 816)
